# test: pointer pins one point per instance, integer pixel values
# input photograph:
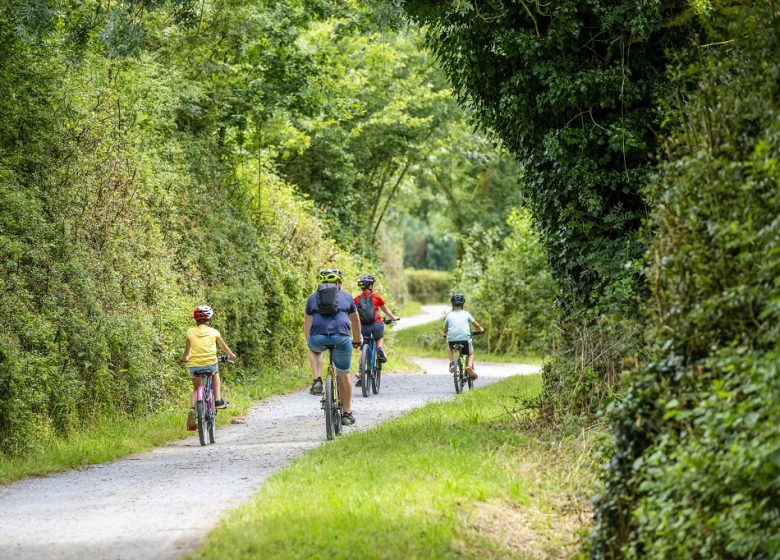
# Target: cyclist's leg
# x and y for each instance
(316, 344)
(196, 382)
(342, 359)
(216, 386)
(449, 353)
(379, 336)
(315, 359)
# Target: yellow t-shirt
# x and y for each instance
(203, 345)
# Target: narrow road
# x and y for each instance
(160, 504)
(429, 313)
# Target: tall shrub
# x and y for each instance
(694, 469)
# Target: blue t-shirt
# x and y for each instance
(331, 324)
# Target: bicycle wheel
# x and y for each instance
(365, 366)
(337, 418)
(330, 427)
(200, 412)
(376, 381)
(456, 376)
(212, 420)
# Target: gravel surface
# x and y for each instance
(153, 505)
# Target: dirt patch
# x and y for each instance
(528, 532)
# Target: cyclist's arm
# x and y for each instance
(479, 327)
(389, 313)
(307, 321)
(185, 357)
(354, 320)
(225, 348)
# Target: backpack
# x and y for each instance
(327, 295)
(366, 309)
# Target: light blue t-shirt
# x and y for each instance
(458, 325)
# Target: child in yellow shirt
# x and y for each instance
(200, 353)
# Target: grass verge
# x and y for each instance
(409, 309)
(459, 479)
(426, 341)
(108, 438)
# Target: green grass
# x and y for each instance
(110, 438)
(459, 479)
(409, 309)
(427, 341)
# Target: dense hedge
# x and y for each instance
(694, 472)
(428, 286)
(115, 221)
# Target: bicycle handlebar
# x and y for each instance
(390, 321)
(223, 359)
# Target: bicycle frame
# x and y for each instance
(334, 408)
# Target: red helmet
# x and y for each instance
(203, 313)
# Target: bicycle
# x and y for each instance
(369, 367)
(331, 402)
(205, 409)
(459, 374)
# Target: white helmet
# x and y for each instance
(203, 313)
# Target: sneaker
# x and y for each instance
(191, 425)
(380, 355)
(359, 382)
(316, 387)
(347, 419)
(452, 367)
(221, 403)
(471, 373)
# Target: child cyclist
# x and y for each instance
(457, 329)
(200, 353)
(371, 324)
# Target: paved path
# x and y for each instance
(151, 505)
(429, 314)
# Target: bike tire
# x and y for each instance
(212, 417)
(330, 427)
(337, 419)
(456, 376)
(365, 376)
(200, 412)
(376, 381)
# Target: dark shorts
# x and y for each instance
(375, 329)
(468, 346)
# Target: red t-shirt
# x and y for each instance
(378, 302)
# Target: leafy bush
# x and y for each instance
(428, 286)
(694, 468)
(115, 221)
(514, 294)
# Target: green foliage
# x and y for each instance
(429, 286)
(122, 206)
(570, 88)
(513, 294)
(693, 472)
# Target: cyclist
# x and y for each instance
(200, 352)
(369, 303)
(331, 316)
(457, 328)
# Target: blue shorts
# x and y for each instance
(377, 330)
(213, 368)
(342, 348)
